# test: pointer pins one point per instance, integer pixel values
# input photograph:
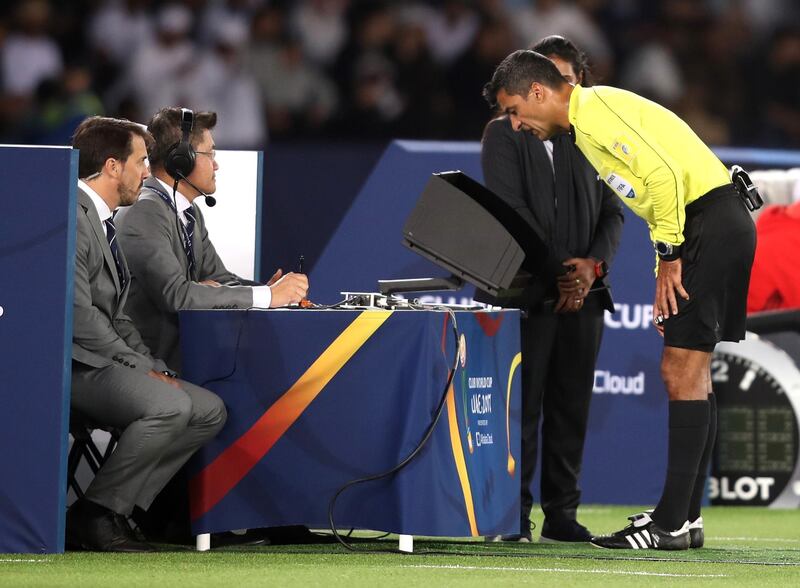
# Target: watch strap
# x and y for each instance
(676, 253)
(600, 269)
(670, 253)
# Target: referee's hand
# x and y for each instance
(668, 283)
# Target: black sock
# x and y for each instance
(696, 503)
(688, 431)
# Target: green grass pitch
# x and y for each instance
(744, 547)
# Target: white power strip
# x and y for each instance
(360, 300)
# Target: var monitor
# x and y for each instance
(460, 225)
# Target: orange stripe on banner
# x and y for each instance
(218, 478)
(461, 465)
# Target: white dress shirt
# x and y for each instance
(548, 146)
(103, 211)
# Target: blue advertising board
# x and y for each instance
(37, 249)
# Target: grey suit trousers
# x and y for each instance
(162, 427)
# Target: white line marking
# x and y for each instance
(771, 539)
(23, 561)
(566, 570)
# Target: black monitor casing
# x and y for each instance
(460, 225)
(464, 227)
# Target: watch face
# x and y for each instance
(756, 453)
(663, 248)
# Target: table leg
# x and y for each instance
(203, 542)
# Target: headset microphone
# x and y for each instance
(210, 200)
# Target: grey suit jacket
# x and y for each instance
(102, 333)
(161, 284)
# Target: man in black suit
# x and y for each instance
(116, 382)
(552, 186)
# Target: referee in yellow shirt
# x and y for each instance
(704, 238)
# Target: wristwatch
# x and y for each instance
(600, 269)
(668, 251)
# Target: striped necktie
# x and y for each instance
(111, 235)
(186, 230)
(188, 244)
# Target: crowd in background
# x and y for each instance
(374, 70)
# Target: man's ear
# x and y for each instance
(112, 167)
(536, 91)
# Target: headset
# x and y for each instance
(180, 159)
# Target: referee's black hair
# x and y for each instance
(518, 71)
(556, 45)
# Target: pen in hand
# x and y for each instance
(305, 302)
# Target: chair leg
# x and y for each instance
(73, 460)
(83, 447)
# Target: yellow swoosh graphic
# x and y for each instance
(461, 466)
(514, 365)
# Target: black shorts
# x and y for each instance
(717, 254)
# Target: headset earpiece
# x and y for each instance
(180, 159)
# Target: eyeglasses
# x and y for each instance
(212, 154)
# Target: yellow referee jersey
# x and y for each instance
(646, 154)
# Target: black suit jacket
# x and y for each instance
(567, 205)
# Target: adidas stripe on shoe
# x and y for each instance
(643, 533)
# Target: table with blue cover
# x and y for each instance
(317, 398)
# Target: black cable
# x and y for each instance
(242, 321)
(329, 306)
(349, 534)
(404, 462)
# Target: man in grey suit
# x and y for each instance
(116, 382)
(175, 266)
(173, 261)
